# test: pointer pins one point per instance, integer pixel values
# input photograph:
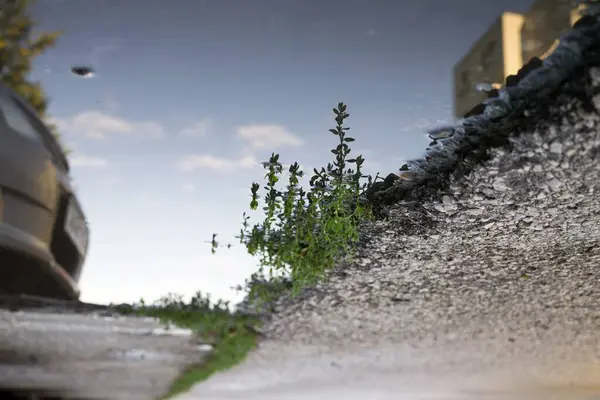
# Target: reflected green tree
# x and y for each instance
(18, 48)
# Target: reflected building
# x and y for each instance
(512, 40)
(490, 60)
(546, 21)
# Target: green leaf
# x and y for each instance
(349, 139)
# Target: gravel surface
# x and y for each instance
(519, 237)
(485, 286)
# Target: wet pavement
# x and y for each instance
(91, 355)
(473, 370)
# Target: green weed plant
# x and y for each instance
(304, 233)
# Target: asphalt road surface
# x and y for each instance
(58, 353)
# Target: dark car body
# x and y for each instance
(43, 231)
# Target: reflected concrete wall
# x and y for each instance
(544, 23)
(511, 41)
(491, 59)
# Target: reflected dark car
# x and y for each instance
(43, 230)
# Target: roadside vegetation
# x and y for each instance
(231, 335)
(303, 233)
(304, 228)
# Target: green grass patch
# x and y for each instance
(231, 335)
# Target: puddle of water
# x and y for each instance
(171, 330)
(408, 375)
(143, 355)
(205, 347)
(112, 325)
